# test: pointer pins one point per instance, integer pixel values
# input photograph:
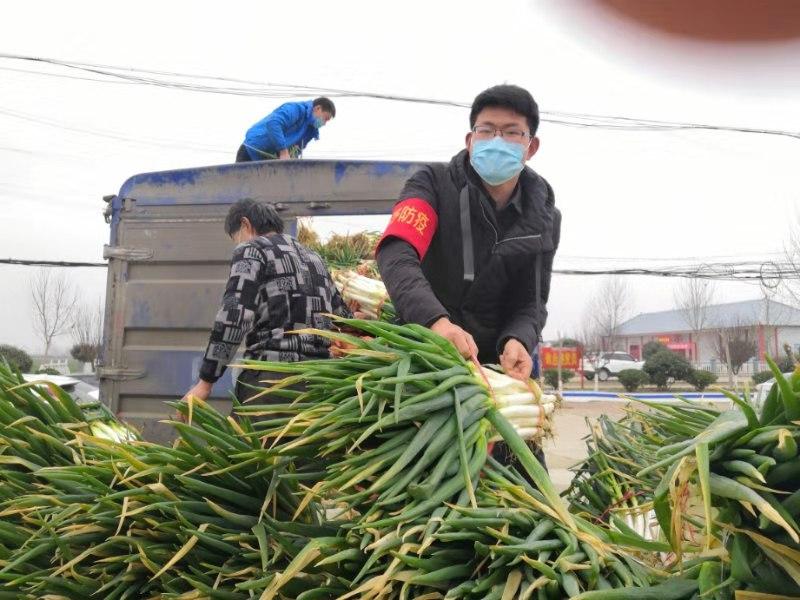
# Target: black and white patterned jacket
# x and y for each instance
(276, 285)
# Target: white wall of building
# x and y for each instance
(789, 335)
(626, 343)
(706, 345)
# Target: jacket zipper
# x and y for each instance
(520, 237)
(485, 218)
(537, 266)
(497, 240)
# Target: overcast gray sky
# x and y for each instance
(625, 196)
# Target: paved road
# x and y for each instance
(567, 446)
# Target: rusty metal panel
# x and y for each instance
(146, 413)
(168, 263)
(179, 240)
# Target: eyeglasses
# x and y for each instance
(485, 132)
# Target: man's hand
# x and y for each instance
(355, 308)
(202, 390)
(284, 154)
(339, 347)
(516, 361)
(458, 337)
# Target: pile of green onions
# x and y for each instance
(373, 481)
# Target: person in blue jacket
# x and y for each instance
(285, 132)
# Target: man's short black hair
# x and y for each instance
(263, 217)
(512, 97)
(326, 104)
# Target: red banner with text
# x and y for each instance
(570, 358)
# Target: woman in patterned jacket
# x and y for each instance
(276, 286)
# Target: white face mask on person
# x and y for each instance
(496, 160)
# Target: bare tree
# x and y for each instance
(54, 300)
(587, 332)
(692, 298)
(790, 286)
(610, 307)
(769, 319)
(87, 331)
(590, 340)
(735, 344)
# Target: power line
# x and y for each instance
(284, 90)
(664, 258)
(766, 273)
(108, 134)
(65, 76)
(49, 263)
(387, 152)
(637, 124)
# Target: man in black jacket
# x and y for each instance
(470, 245)
(469, 249)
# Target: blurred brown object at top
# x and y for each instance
(715, 20)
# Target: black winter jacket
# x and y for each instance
(504, 295)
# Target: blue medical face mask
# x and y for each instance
(319, 122)
(496, 160)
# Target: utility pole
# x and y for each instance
(558, 363)
(728, 360)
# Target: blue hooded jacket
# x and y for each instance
(289, 127)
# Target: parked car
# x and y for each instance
(84, 393)
(609, 364)
(762, 390)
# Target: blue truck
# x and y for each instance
(168, 260)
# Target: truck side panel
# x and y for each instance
(169, 259)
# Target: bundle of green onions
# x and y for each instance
(111, 430)
(104, 424)
(85, 517)
(43, 399)
(723, 485)
(521, 550)
(53, 409)
(744, 470)
(607, 486)
(223, 515)
(412, 401)
(365, 295)
(343, 251)
(522, 403)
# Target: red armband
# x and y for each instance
(414, 221)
